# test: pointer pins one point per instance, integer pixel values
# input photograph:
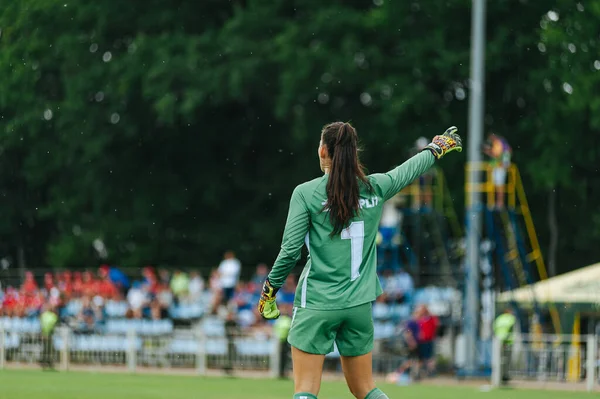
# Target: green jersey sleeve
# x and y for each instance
(392, 182)
(296, 227)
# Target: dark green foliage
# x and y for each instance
(175, 130)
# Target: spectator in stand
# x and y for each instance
(242, 299)
(288, 290)
(180, 284)
(150, 281)
(499, 151)
(259, 277)
(162, 302)
(34, 303)
(106, 288)
(397, 287)
(196, 287)
(229, 273)
(29, 286)
(89, 286)
(216, 291)
(115, 276)
(64, 284)
(88, 315)
(164, 276)
(11, 299)
(411, 337)
(48, 281)
(77, 284)
(428, 326)
(137, 298)
(389, 237)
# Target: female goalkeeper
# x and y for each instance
(337, 216)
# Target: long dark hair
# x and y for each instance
(345, 174)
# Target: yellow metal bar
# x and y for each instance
(490, 188)
(510, 189)
(535, 245)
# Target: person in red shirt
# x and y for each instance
(77, 284)
(90, 286)
(106, 289)
(29, 285)
(428, 326)
(11, 298)
(48, 281)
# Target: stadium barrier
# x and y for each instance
(548, 358)
(202, 348)
(137, 344)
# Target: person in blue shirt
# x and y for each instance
(116, 276)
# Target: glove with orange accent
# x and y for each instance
(267, 306)
(447, 142)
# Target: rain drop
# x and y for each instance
(99, 96)
(580, 7)
(597, 65)
(552, 15)
(93, 48)
(115, 118)
(107, 56)
(459, 93)
(542, 47)
(365, 99)
(378, 3)
(323, 98)
(386, 92)
(567, 88)
(326, 77)
(48, 114)
(572, 48)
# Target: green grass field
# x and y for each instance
(31, 384)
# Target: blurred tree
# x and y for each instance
(172, 132)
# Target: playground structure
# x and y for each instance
(517, 255)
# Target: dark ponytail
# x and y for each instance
(345, 174)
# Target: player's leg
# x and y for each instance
(308, 369)
(311, 336)
(358, 371)
(355, 343)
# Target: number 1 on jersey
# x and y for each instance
(356, 234)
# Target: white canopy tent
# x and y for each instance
(579, 286)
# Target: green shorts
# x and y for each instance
(315, 331)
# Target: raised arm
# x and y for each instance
(396, 179)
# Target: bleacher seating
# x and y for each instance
(141, 327)
(116, 309)
(20, 325)
(96, 343)
(186, 311)
(11, 340)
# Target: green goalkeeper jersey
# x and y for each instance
(341, 271)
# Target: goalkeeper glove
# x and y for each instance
(441, 145)
(266, 305)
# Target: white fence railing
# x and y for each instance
(209, 346)
(187, 349)
(548, 358)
